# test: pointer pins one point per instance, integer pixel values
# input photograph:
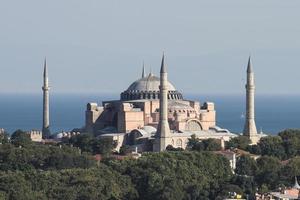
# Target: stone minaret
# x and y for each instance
(250, 126)
(143, 72)
(163, 129)
(45, 88)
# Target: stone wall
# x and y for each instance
(36, 135)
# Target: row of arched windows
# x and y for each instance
(179, 143)
(149, 95)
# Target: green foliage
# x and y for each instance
(103, 146)
(293, 167)
(4, 139)
(94, 183)
(284, 146)
(268, 173)
(124, 150)
(246, 166)
(36, 171)
(291, 142)
(212, 145)
(227, 190)
(37, 156)
(176, 175)
(272, 146)
(14, 186)
(20, 138)
(83, 141)
(193, 141)
(171, 148)
(290, 171)
(88, 143)
(203, 145)
(240, 142)
(254, 149)
(247, 184)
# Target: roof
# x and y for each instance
(146, 131)
(178, 105)
(148, 83)
(285, 196)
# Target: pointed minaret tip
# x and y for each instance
(163, 68)
(45, 67)
(249, 68)
(143, 73)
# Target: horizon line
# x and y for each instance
(118, 94)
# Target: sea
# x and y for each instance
(274, 113)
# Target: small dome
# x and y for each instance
(149, 129)
(149, 83)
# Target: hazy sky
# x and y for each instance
(96, 46)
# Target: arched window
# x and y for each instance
(193, 126)
(179, 143)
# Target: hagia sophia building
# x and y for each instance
(152, 115)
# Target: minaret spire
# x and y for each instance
(143, 72)
(250, 126)
(45, 68)
(249, 67)
(163, 130)
(45, 88)
(163, 68)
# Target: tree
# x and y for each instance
(268, 172)
(240, 142)
(4, 138)
(247, 184)
(228, 190)
(103, 146)
(196, 144)
(171, 148)
(84, 141)
(20, 138)
(289, 134)
(124, 149)
(212, 145)
(272, 146)
(246, 166)
(94, 183)
(254, 149)
(291, 142)
(193, 141)
(176, 175)
(294, 167)
(290, 171)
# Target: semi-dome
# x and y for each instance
(148, 88)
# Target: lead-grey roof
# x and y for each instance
(148, 83)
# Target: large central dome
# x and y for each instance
(149, 83)
(148, 88)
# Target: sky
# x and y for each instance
(97, 46)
